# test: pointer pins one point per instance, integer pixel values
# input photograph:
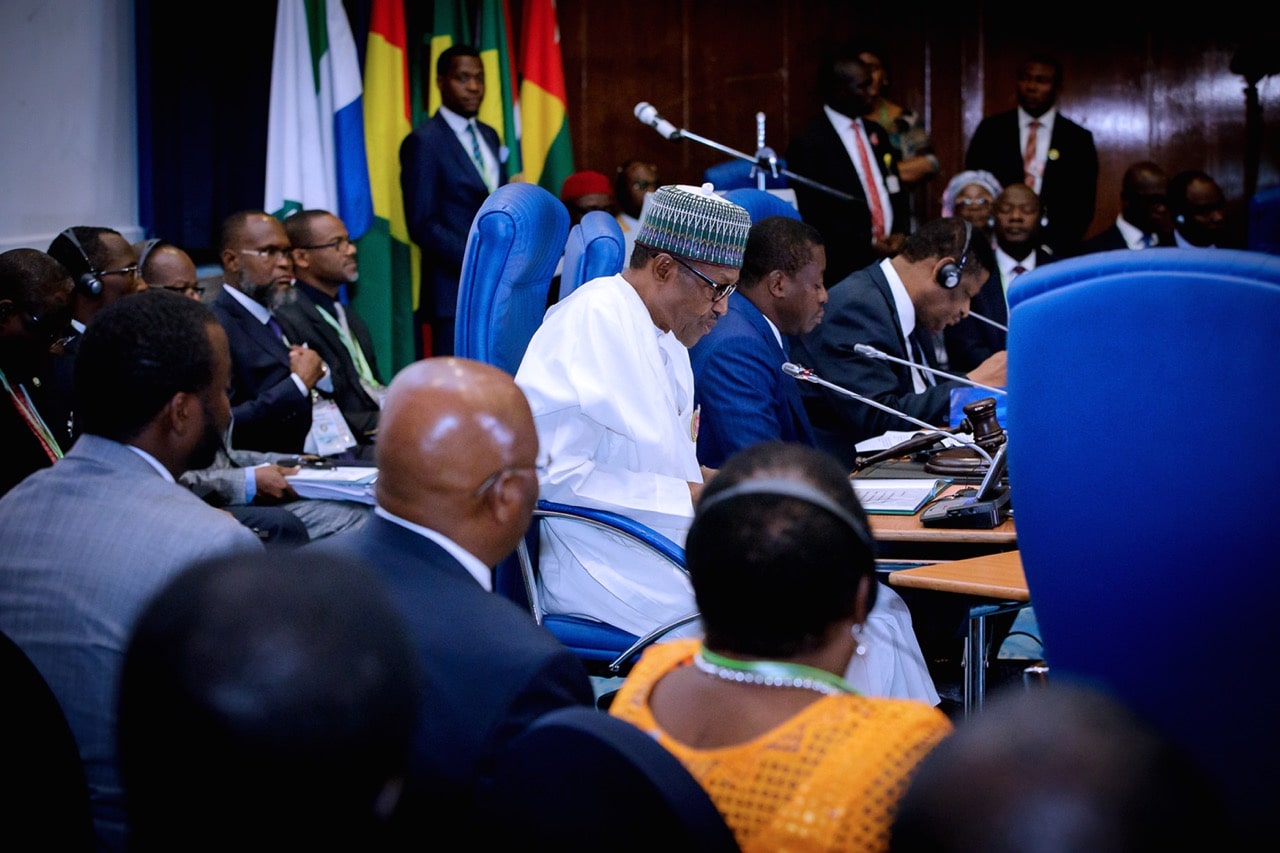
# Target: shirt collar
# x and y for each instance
(456, 122)
(152, 461)
(1132, 234)
(319, 297)
(1046, 121)
(901, 299)
(257, 309)
(478, 570)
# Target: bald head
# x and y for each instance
(457, 452)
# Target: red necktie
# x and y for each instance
(1019, 269)
(873, 188)
(1029, 156)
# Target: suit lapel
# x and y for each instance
(253, 329)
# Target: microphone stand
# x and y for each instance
(764, 160)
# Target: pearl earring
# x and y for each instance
(861, 648)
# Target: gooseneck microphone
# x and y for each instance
(872, 352)
(804, 374)
(975, 315)
(648, 114)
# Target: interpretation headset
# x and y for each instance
(146, 252)
(90, 281)
(949, 273)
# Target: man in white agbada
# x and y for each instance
(608, 378)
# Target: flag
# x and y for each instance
(449, 26)
(548, 153)
(500, 108)
(315, 127)
(389, 262)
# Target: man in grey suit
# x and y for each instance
(90, 539)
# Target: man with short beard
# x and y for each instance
(88, 540)
(272, 379)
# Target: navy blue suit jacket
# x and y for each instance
(819, 155)
(270, 411)
(1069, 190)
(488, 668)
(442, 193)
(860, 310)
(739, 383)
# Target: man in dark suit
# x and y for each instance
(1144, 220)
(457, 482)
(1016, 232)
(324, 260)
(1062, 164)
(886, 305)
(737, 367)
(448, 166)
(35, 310)
(831, 152)
(271, 378)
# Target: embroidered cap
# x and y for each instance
(695, 223)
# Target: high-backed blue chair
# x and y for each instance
(736, 173)
(512, 250)
(594, 248)
(1144, 447)
(761, 203)
(1264, 220)
(515, 241)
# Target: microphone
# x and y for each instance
(648, 114)
(872, 352)
(806, 375)
(975, 315)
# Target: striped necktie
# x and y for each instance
(1029, 155)
(477, 157)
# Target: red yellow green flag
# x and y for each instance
(548, 152)
(500, 108)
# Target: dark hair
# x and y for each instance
(945, 238)
(90, 239)
(773, 572)
(829, 82)
(445, 60)
(265, 696)
(776, 243)
(136, 354)
(1044, 59)
(641, 254)
(27, 275)
(233, 225)
(1178, 186)
(299, 225)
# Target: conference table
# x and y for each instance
(981, 564)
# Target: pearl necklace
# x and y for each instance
(771, 673)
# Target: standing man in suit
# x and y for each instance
(324, 259)
(35, 311)
(89, 540)
(737, 366)
(448, 166)
(1036, 145)
(848, 152)
(926, 287)
(1018, 250)
(272, 378)
(457, 482)
(1144, 220)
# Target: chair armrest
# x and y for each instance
(608, 520)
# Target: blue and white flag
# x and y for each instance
(315, 130)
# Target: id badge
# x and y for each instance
(329, 433)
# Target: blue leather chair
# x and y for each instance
(594, 248)
(761, 203)
(512, 250)
(515, 242)
(1264, 220)
(736, 174)
(1143, 427)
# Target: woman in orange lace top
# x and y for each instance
(782, 563)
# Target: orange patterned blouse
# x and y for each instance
(828, 779)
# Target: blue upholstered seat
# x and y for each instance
(761, 203)
(594, 248)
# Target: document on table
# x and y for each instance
(888, 496)
(344, 483)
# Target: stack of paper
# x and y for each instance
(352, 483)
(887, 496)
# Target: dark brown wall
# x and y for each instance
(1146, 89)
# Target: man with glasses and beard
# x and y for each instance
(88, 540)
(272, 378)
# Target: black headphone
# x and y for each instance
(90, 281)
(949, 273)
(146, 251)
(785, 487)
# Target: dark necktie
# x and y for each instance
(275, 329)
(1019, 270)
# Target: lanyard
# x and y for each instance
(33, 419)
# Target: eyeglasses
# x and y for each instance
(720, 290)
(541, 467)
(130, 271)
(340, 244)
(185, 289)
(274, 253)
(644, 185)
(973, 202)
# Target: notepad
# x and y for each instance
(344, 483)
(887, 496)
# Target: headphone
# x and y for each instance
(949, 273)
(787, 488)
(1180, 219)
(146, 251)
(88, 282)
